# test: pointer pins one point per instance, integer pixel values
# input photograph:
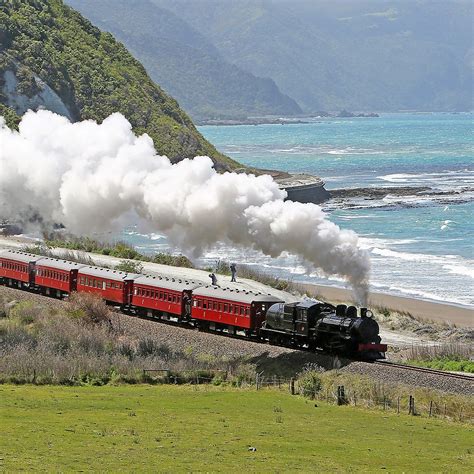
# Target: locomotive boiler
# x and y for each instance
(319, 325)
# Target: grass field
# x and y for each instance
(205, 428)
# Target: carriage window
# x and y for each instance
(242, 311)
(204, 305)
(226, 307)
(103, 285)
(199, 304)
(247, 312)
(161, 295)
(195, 303)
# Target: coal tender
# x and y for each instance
(319, 325)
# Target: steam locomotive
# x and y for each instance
(309, 324)
(317, 324)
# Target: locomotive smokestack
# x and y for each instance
(363, 312)
(93, 177)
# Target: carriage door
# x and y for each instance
(31, 273)
(186, 305)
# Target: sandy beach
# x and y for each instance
(429, 310)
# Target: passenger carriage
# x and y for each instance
(56, 277)
(231, 309)
(157, 296)
(112, 285)
(17, 268)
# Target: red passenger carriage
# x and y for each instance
(17, 268)
(163, 296)
(57, 275)
(112, 285)
(229, 308)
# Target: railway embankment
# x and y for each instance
(221, 350)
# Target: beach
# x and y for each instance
(422, 309)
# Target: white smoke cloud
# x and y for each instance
(92, 177)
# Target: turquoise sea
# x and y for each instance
(420, 245)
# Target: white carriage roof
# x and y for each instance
(175, 284)
(58, 264)
(107, 273)
(232, 294)
(18, 256)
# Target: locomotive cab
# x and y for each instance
(296, 319)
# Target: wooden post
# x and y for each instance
(445, 410)
(431, 408)
(341, 396)
(292, 386)
(411, 409)
(398, 405)
(384, 403)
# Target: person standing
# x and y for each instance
(213, 278)
(233, 270)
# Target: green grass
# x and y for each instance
(446, 364)
(205, 428)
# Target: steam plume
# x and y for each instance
(91, 177)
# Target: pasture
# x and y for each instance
(205, 428)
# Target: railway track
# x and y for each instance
(425, 370)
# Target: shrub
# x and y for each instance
(129, 266)
(310, 383)
(89, 308)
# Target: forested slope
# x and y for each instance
(185, 63)
(52, 57)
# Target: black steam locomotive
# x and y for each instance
(319, 325)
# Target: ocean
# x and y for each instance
(421, 245)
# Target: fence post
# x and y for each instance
(341, 396)
(431, 407)
(398, 405)
(445, 410)
(384, 403)
(411, 409)
(292, 386)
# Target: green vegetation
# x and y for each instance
(205, 428)
(446, 364)
(11, 117)
(117, 249)
(93, 74)
(246, 271)
(366, 392)
(184, 63)
(82, 342)
(457, 357)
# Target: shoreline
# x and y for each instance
(440, 312)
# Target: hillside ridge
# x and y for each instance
(52, 57)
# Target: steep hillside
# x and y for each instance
(354, 54)
(184, 62)
(50, 56)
